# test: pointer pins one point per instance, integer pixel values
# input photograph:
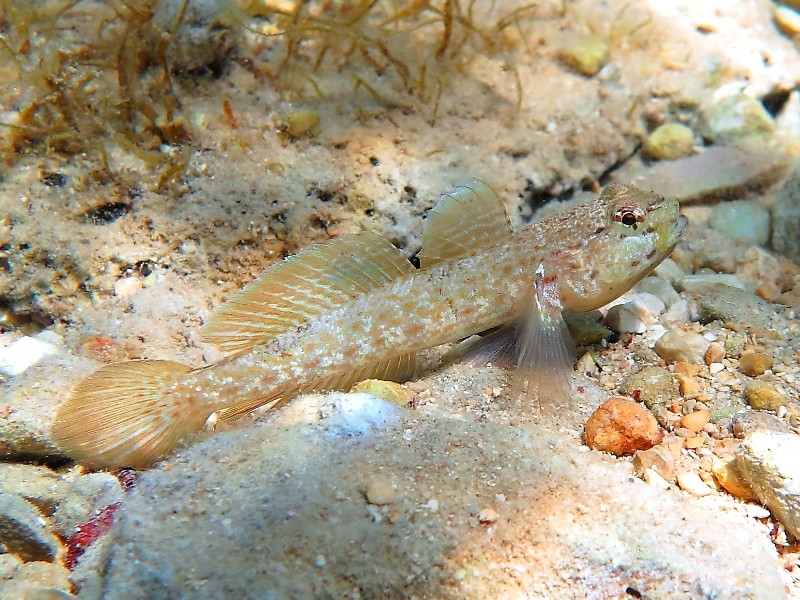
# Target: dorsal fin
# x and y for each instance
(467, 219)
(303, 286)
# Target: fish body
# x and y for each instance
(355, 308)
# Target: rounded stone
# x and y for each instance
(695, 421)
(748, 421)
(754, 363)
(380, 492)
(737, 117)
(763, 396)
(587, 58)
(669, 141)
(741, 221)
(622, 427)
(677, 344)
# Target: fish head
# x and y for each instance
(628, 233)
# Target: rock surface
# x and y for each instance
(786, 218)
(768, 462)
(247, 491)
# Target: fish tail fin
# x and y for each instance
(121, 415)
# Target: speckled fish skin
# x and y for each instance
(355, 308)
(593, 257)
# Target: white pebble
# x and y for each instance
(320, 561)
(432, 505)
(754, 511)
(691, 482)
(127, 287)
(651, 477)
(23, 354)
(716, 367)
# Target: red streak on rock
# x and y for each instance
(87, 533)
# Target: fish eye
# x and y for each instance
(629, 215)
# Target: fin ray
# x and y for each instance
(545, 352)
(467, 219)
(119, 416)
(302, 287)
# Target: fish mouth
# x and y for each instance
(668, 242)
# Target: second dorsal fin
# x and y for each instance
(467, 219)
(303, 286)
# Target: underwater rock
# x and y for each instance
(669, 141)
(786, 218)
(728, 476)
(741, 221)
(587, 58)
(730, 304)
(747, 421)
(656, 387)
(717, 172)
(754, 363)
(256, 508)
(621, 427)
(768, 462)
(38, 485)
(737, 117)
(24, 532)
(680, 345)
(763, 396)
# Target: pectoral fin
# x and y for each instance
(545, 352)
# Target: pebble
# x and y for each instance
(728, 476)
(24, 532)
(22, 354)
(786, 218)
(741, 221)
(587, 58)
(787, 19)
(715, 368)
(730, 304)
(301, 123)
(386, 390)
(586, 328)
(737, 117)
(747, 421)
(689, 481)
(379, 492)
(660, 288)
(695, 421)
(622, 427)
(754, 363)
(487, 516)
(678, 344)
(669, 141)
(714, 354)
(768, 462)
(657, 459)
(656, 387)
(689, 386)
(669, 270)
(762, 396)
(636, 315)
